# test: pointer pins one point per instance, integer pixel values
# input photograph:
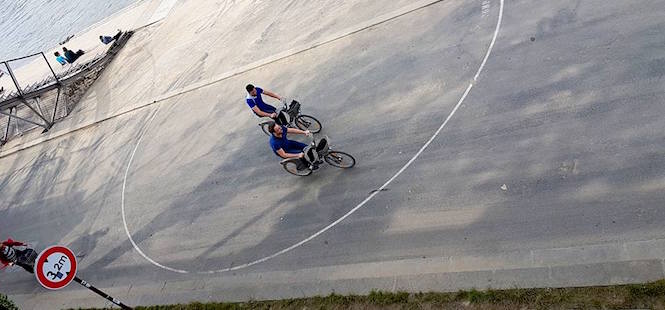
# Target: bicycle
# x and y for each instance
(290, 116)
(316, 154)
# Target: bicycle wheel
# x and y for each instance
(306, 122)
(340, 159)
(291, 166)
(264, 127)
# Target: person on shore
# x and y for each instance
(71, 56)
(107, 39)
(256, 103)
(60, 59)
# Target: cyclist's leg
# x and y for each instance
(269, 109)
(294, 146)
(297, 147)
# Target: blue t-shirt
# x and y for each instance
(61, 60)
(258, 101)
(107, 39)
(279, 143)
(289, 146)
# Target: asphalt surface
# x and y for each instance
(550, 173)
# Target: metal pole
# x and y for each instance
(9, 122)
(49, 66)
(100, 293)
(23, 119)
(15, 113)
(24, 57)
(11, 73)
(48, 124)
(55, 109)
(65, 102)
(39, 106)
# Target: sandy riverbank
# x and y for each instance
(33, 69)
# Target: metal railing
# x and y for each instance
(24, 109)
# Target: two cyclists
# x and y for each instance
(280, 145)
(283, 123)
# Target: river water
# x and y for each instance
(30, 26)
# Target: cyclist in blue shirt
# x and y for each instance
(256, 103)
(285, 148)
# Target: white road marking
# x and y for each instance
(485, 8)
(333, 224)
(122, 202)
(489, 49)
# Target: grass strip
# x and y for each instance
(633, 296)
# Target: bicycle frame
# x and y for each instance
(284, 110)
(315, 152)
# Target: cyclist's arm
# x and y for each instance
(297, 131)
(285, 155)
(261, 113)
(271, 94)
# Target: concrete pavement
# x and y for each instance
(566, 114)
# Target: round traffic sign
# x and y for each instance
(55, 267)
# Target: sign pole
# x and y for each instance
(55, 267)
(100, 293)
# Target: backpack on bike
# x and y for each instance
(294, 108)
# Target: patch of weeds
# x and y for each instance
(383, 298)
(6, 303)
(654, 289)
(650, 295)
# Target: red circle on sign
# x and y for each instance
(41, 260)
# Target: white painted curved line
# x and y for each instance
(122, 202)
(333, 224)
(489, 49)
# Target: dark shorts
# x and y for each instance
(268, 109)
(293, 147)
